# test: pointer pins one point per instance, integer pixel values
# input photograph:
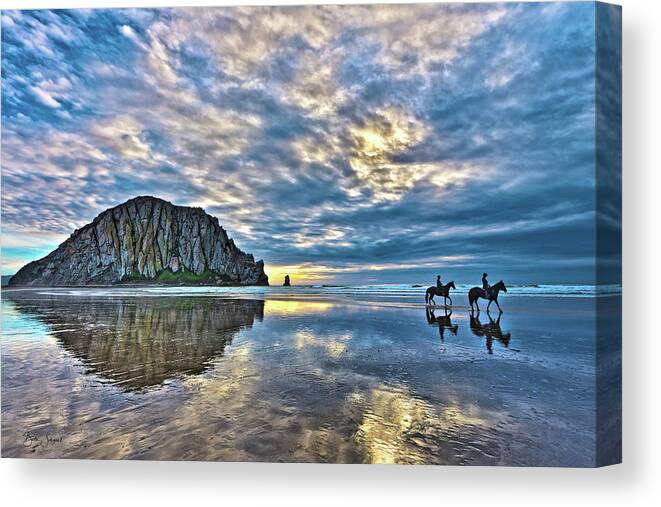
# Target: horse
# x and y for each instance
(477, 292)
(444, 291)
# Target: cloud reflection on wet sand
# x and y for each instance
(245, 380)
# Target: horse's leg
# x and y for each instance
(499, 309)
(450, 300)
(489, 305)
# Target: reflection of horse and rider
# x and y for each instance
(489, 331)
(444, 322)
(487, 291)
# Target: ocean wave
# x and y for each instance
(377, 291)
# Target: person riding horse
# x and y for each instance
(439, 289)
(485, 285)
(488, 292)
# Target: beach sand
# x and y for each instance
(307, 378)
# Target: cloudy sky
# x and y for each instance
(339, 144)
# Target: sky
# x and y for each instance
(341, 144)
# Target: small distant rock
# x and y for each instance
(287, 281)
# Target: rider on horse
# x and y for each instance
(488, 292)
(485, 285)
(440, 289)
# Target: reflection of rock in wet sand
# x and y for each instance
(141, 342)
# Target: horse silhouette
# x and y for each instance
(489, 331)
(491, 295)
(444, 291)
(444, 322)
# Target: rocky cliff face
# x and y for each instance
(146, 239)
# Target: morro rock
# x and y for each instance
(146, 239)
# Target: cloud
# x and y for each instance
(324, 137)
(128, 32)
(44, 97)
(122, 135)
(379, 140)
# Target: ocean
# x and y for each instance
(408, 292)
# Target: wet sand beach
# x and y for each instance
(286, 377)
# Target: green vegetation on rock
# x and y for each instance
(181, 277)
(185, 276)
(134, 277)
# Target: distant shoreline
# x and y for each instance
(411, 292)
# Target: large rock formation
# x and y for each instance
(146, 239)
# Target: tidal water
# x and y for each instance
(299, 377)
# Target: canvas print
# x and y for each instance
(322, 234)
